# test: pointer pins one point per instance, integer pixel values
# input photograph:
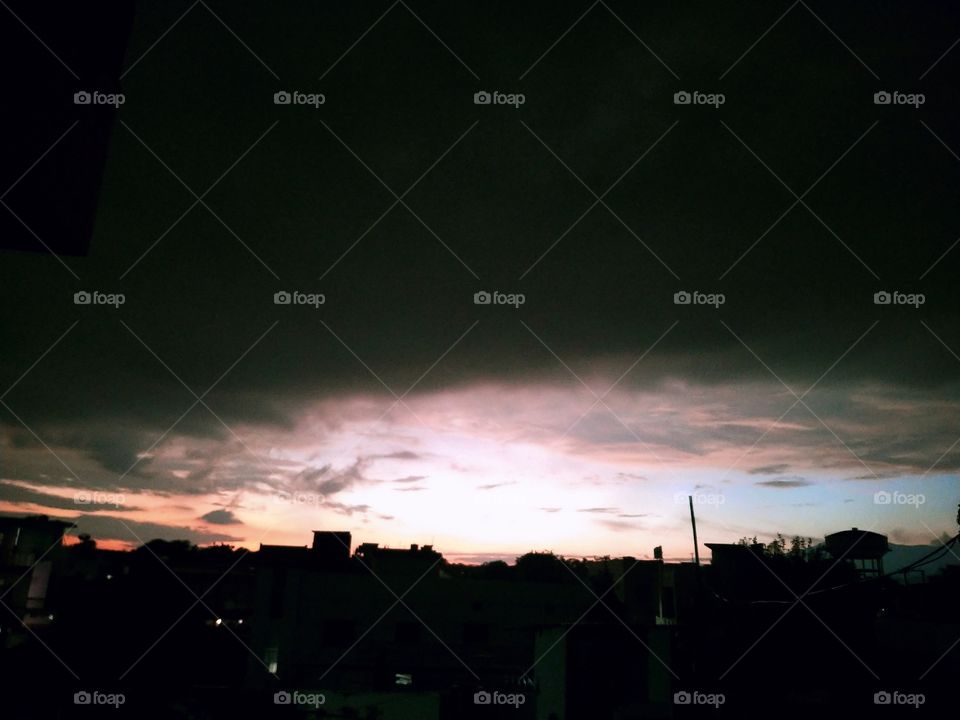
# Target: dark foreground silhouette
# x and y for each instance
(172, 630)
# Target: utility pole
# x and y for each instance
(693, 521)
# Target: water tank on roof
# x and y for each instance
(857, 544)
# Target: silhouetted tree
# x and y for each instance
(166, 549)
(800, 548)
(776, 547)
(494, 570)
(545, 567)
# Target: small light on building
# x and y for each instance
(240, 621)
(109, 577)
(404, 679)
(219, 621)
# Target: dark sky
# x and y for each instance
(701, 201)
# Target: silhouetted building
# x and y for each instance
(23, 540)
(401, 622)
(392, 560)
(331, 545)
(737, 571)
(864, 548)
(28, 548)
